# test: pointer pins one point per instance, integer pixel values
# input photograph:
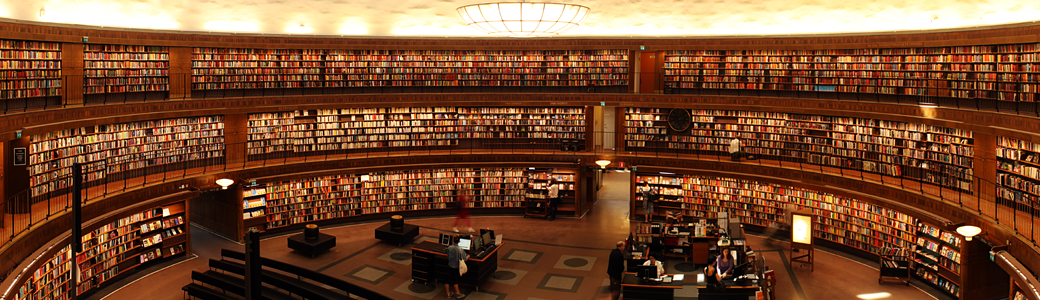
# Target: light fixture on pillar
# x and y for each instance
(224, 183)
(603, 163)
(523, 19)
(969, 231)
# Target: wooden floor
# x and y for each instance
(561, 259)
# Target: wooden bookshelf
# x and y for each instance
(932, 154)
(380, 129)
(1018, 174)
(537, 194)
(52, 280)
(126, 69)
(938, 258)
(999, 72)
(254, 207)
(329, 197)
(109, 151)
(29, 69)
(838, 219)
(248, 69)
(251, 69)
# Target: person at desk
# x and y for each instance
(654, 262)
(724, 265)
(455, 254)
(711, 275)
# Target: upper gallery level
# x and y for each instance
(413, 18)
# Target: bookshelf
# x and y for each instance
(29, 69)
(254, 69)
(997, 72)
(329, 197)
(110, 151)
(311, 132)
(938, 258)
(112, 69)
(52, 280)
(254, 207)
(938, 155)
(336, 71)
(839, 220)
(537, 193)
(1018, 174)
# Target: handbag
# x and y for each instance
(462, 267)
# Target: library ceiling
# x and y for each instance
(619, 18)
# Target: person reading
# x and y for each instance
(654, 262)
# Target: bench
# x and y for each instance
(235, 285)
(302, 273)
(200, 292)
(294, 286)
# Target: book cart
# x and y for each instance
(894, 265)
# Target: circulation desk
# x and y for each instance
(635, 289)
(734, 290)
(430, 261)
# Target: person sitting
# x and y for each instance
(654, 262)
(711, 275)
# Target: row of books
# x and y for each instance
(30, 54)
(125, 56)
(125, 48)
(27, 45)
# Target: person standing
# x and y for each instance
(462, 211)
(615, 268)
(711, 275)
(734, 149)
(649, 197)
(725, 265)
(455, 254)
(554, 198)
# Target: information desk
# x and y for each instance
(430, 261)
(734, 290)
(635, 289)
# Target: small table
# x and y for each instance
(312, 247)
(406, 235)
(635, 289)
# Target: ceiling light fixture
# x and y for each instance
(224, 183)
(603, 163)
(523, 19)
(969, 231)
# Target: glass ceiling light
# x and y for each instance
(523, 19)
(969, 231)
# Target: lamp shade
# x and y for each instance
(523, 19)
(969, 231)
(224, 183)
(603, 163)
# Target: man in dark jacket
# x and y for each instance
(616, 266)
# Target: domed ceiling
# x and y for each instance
(438, 18)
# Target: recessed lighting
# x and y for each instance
(880, 295)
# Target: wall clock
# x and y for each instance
(679, 119)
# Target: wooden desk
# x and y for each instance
(635, 289)
(733, 291)
(430, 261)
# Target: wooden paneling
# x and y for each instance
(236, 134)
(180, 72)
(16, 178)
(985, 165)
(981, 278)
(220, 211)
(72, 73)
(647, 78)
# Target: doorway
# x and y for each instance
(647, 77)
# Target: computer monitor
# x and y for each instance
(445, 239)
(477, 244)
(646, 272)
(465, 243)
(487, 237)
